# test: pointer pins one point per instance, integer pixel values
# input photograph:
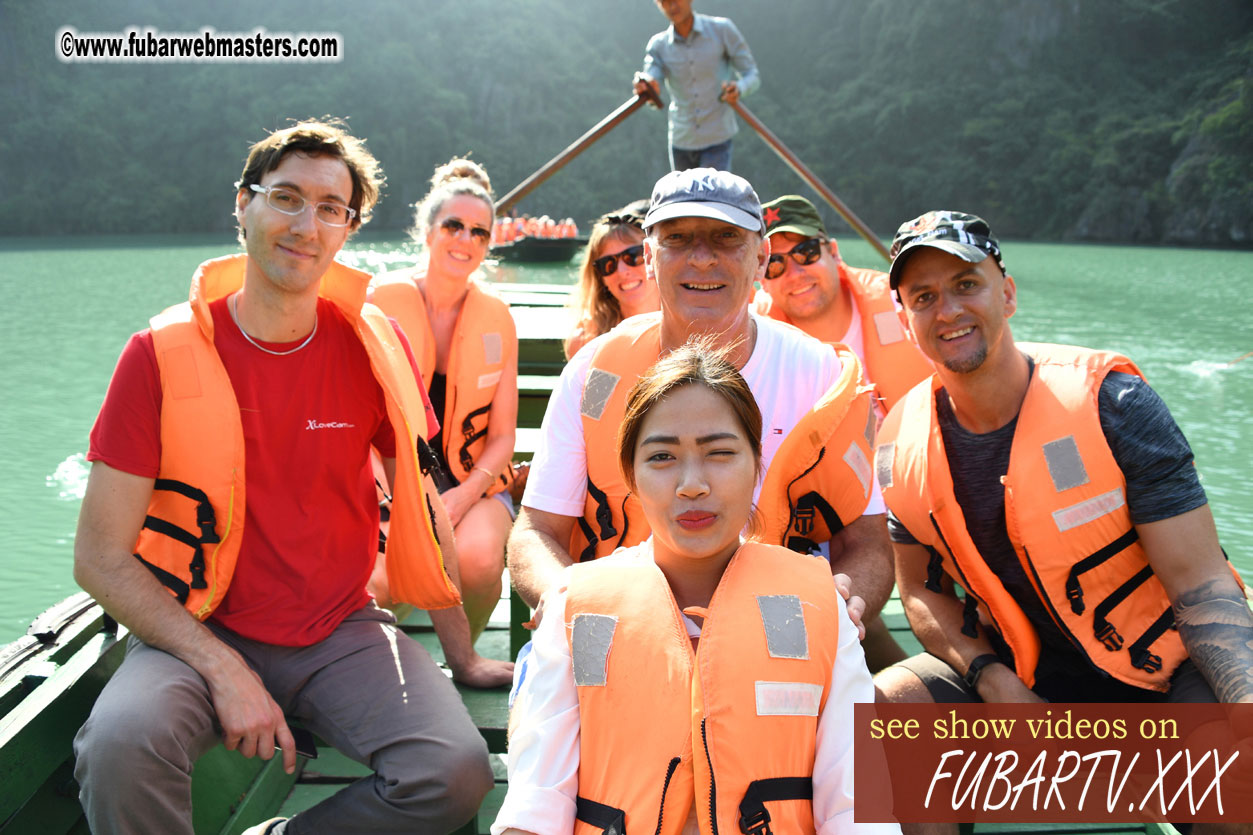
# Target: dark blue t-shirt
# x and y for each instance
(1148, 447)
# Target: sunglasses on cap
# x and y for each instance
(453, 227)
(804, 253)
(607, 265)
(623, 220)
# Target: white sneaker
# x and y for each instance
(273, 826)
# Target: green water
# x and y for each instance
(71, 303)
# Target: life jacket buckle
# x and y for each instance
(207, 522)
(197, 568)
(758, 823)
(1074, 593)
(1147, 661)
(1108, 635)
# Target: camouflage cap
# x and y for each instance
(957, 233)
(793, 213)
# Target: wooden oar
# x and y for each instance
(1237, 359)
(579, 145)
(810, 177)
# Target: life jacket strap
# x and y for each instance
(1074, 592)
(970, 616)
(610, 820)
(604, 520)
(197, 566)
(1141, 658)
(1104, 630)
(935, 565)
(181, 590)
(469, 435)
(754, 819)
(206, 520)
(800, 519)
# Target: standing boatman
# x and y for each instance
(698, 56)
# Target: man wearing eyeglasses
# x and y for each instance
(812, 288)
(230, 523)
(705, 246)
(698, 57)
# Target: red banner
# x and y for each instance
(1054, 763)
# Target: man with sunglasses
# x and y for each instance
(811, 287)
(230, 523)
(705, 247)
(698, 57)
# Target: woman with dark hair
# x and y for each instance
(612, 285)
(696, 682)
(467, 350)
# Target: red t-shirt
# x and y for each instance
(309, 419)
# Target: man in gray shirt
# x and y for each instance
(699, 57)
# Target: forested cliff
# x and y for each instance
(1109, 120)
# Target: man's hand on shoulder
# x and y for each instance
(481, 672)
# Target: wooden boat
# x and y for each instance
(530, 249)
(50, 677)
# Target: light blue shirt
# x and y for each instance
(694, 69)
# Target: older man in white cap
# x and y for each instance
(705, 247)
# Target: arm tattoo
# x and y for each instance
(1216, 626)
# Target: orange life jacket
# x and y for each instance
(809, 493)
(1066, 515)
(484, 348)
(195, 523)
(731, 725)
(893, 363)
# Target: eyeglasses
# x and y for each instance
(288, 202)
(454, 227)
(607, 265)
(804, 253)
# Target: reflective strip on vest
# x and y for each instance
(1065, 463)
(860, 465)
(787, 698)
(493, 348)
(1086, 511)
(784, 624)
(597, 391)
(883, 464)
(888, 325)
(591, 636)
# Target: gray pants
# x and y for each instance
(368, 689)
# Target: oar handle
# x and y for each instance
(579, 145)
(810, 177)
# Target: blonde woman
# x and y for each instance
(612, 285)
(467, 350)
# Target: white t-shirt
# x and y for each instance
(544, 744)
(788, 372)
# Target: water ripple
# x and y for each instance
(70, 478)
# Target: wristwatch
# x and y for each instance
(976, 668)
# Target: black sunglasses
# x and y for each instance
(453, 227)
(608, 264)
(806, 252)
